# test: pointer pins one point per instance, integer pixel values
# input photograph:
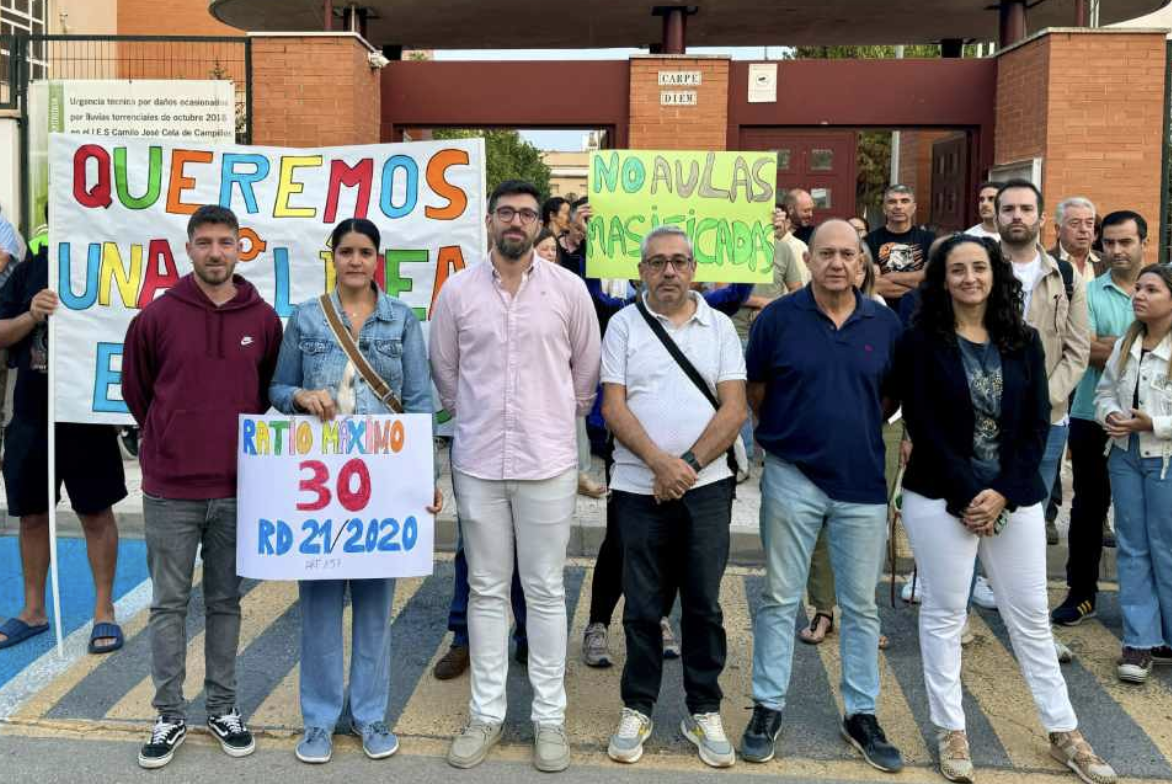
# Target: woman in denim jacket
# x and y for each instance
(314, 376)
(1133, 403)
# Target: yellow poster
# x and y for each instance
(723, 200)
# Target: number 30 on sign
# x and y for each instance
(334, 500)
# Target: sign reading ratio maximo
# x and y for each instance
(336, 500)
(722, 200)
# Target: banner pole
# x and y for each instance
(52, 489)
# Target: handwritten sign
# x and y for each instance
(120, 210)
(334, 500)
(723, 200)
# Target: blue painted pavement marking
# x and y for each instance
(77, 593)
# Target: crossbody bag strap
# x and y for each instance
(685, 365)
(346, 341)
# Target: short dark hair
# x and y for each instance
(1123, 216)
(1018, 182)
(357, 226)
(988, 184)
(513, 188)
(579, 203)
(899, 187)
(212, 214)
(551, 207)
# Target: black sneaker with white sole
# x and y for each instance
(166, 736)
(862, 731)
(234, 737)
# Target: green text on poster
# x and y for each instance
(723, 200)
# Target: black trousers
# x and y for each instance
(680, 545)
(1088, 507)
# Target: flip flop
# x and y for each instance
(16, 631)
(809, 635)
(106, 630)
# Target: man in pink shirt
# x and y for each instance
(515, 356)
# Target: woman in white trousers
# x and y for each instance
(971, 377)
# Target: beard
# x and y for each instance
(1020, 236)
(512, 247)
(214, 276)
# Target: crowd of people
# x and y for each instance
(997, 354)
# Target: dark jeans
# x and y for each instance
(681, 545)
(607, 588)
(458, 613)
(1088, 507)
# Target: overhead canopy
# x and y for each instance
(588, 24)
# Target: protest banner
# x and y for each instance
(723, 200)
(119, 217)
(334, 500)
(176, 109)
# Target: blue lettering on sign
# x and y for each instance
(360, 536)
(105, 377)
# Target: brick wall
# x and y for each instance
(700, 127)
(313, 91)
(169, 17)
(1022, 102)
(1091, 105)
(1105, 123)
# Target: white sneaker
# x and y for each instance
(983, 594)
(626, 745)
(1063, 652)
(913, 589)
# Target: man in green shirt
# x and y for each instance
(1109, 315)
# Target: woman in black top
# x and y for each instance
(972, 379)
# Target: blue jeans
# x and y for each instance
(1143, 533)
(458, 613)
(323, 692)
(793, 510)
(1052, 457)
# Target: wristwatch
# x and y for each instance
(691, 460)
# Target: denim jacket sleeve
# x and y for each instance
(416, 369)
(288, 378)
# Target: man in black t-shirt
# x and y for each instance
(88, 462)
(899, 248)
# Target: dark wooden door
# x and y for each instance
(822, 162)
(950, 186)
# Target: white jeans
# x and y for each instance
(537, 515)
(1015, 561)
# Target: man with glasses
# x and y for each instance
(818, 365)
(672, 488)
(515, 356)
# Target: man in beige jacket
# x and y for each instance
(1056, 306)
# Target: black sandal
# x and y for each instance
(812, 629)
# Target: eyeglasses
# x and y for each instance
(507, 214)
(679, 263)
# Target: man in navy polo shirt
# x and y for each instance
(818, 362)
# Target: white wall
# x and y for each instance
(9, 169)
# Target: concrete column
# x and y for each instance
(675, 31)
(1013, 22)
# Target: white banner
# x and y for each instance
(335, 500)
(119, 212)
(176, 109)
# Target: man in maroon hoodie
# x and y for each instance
(195, 359)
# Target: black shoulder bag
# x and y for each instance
(689, 371)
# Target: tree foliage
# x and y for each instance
(507, 156)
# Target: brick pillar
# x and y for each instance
(313, 91)
(1090, 104)
(654, 126)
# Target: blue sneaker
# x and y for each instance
(316, 747)
(378, 742)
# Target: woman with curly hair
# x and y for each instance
(972, 379)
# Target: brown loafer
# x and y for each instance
(453, 664)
